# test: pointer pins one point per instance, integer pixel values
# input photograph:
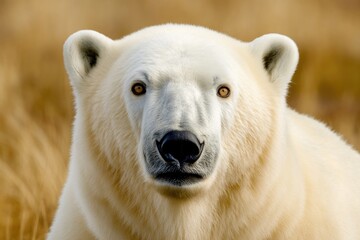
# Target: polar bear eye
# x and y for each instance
(223, 91)
(138, 89)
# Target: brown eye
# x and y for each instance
(138, 89)
(223, 92)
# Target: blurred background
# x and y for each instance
(36, 103)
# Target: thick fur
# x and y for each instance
(270, 173)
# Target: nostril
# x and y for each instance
(180, 146)
(181, 150)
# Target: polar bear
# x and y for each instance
(184, 133)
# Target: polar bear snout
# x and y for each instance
(180, 147)
(179, 159)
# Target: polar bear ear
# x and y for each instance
(279, 57)
(82, 52)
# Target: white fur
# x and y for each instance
(278, 174)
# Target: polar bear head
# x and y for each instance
(179, 107)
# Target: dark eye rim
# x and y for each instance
(136, 84)
(226, 87)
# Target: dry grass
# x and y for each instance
(36, 102)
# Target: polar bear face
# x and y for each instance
(195, 102)
(178, 96)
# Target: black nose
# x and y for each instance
(180, 146)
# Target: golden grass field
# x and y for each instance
(36, 108)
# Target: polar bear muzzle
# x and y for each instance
(179, 151)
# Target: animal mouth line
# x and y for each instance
(179, 178)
